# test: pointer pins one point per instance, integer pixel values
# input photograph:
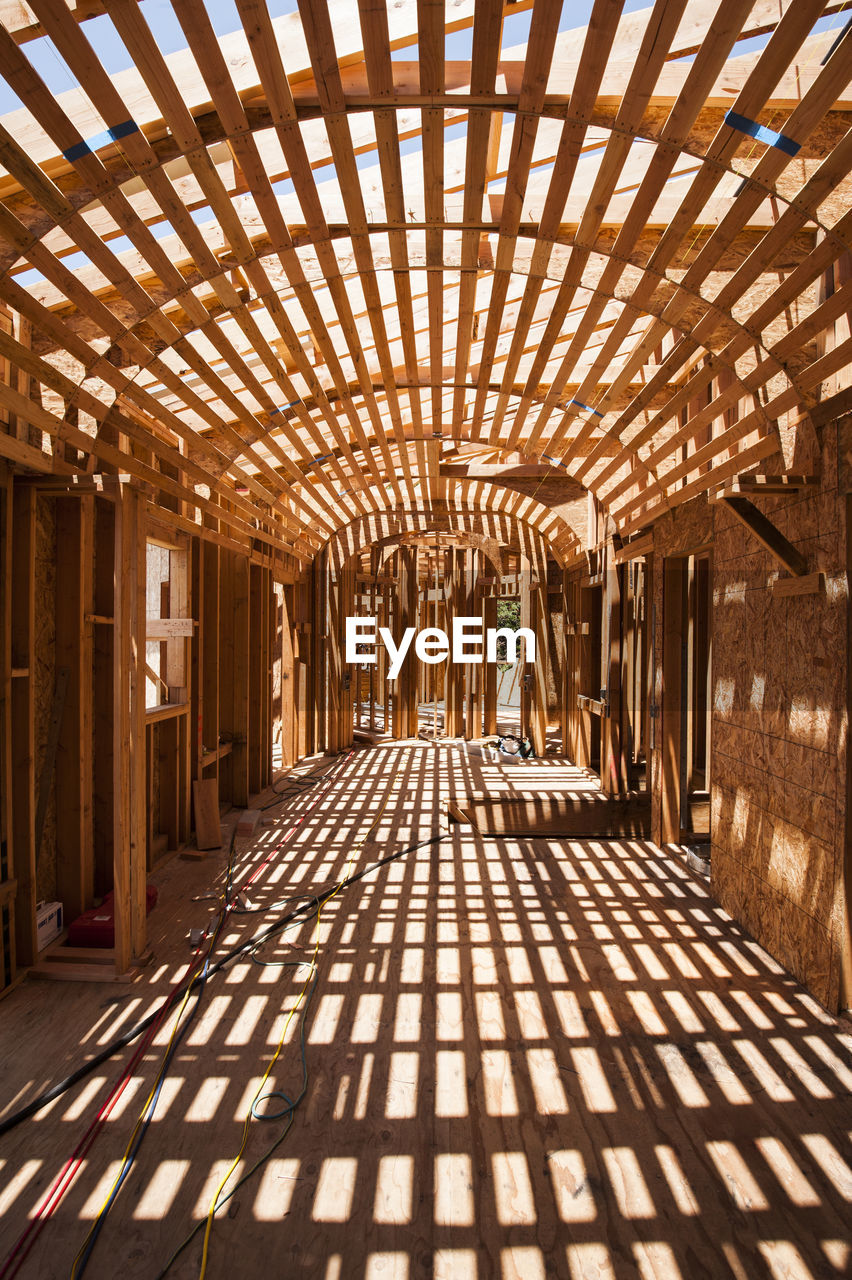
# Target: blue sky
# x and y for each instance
(161, 18)
(223, 13)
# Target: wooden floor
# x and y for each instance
(527, 1058)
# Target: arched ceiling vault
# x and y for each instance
(284, 274)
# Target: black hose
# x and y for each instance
(120, 1042)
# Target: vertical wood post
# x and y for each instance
(237, 696)
(7, 804)
(670, 735)
(74, 833)
(23, 718)
(129, 830)
(489, 674)
(539, 619)
(288, 747)
(454, 674)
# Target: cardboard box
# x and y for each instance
(48, 922)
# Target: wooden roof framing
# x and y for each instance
(313, 256)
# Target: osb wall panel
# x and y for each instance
(684, 529)
(778, 767)
(44, 684)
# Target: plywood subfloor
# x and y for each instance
(527, 1058)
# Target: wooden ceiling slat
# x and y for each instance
(702, 74)
(377, 57)
(430, 22)
(320, 37)
(785, 40)
(81, 58)
(601, 32)
(783, 296)
(657, 38)
(487, 33)
(140, 42)
(648, 341)
(783, 43)
(542, 39)
(208, 54)
(273, 78)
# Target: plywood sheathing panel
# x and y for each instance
(779, 689)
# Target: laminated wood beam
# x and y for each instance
(103, 700)
(767, 534)
(405, 697)
(757, 485)
(333, 661)
(6, 770)
(635, 550)
(614, 779)
(258, 691)
(207, 643)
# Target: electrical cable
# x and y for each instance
(143, 1122)
(150, 1023)
(120, 1042)
(259, 1095)
(147, 1114)
(139, 1131)
(298, 782)
(60, 1185)
(127, 1037)
(250, 1172)
(337, 768)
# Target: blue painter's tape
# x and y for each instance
(587, 407)
(761, 134)
(74, 153)
(118, 131)
(122, 130)
(322, 458)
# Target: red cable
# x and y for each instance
(331, 775)
(69, 1170)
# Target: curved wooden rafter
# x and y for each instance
(637, 429)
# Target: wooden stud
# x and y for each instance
(22, 793)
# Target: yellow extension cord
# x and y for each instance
(141, 1117)
(247, 1122)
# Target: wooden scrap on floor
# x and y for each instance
(578, 817)
(247, 823)
(208, 828)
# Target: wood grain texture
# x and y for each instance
(526, 1057)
